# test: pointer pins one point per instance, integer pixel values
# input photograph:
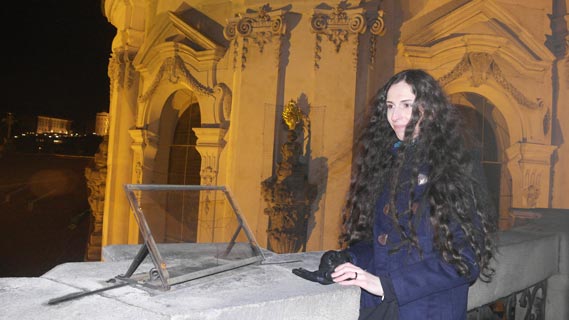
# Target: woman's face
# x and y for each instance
(400, 100)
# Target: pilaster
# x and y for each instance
(211, 209)
(530, 165)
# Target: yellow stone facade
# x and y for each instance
(237, 64)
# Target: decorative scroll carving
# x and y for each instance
(260, 27)
(96, 176)
(288, 193)
(120, 71)
(481, 66)
(376, 28)
(223, 104)
(377, 25)
(174, 68)
(337, 25)
(547, 122)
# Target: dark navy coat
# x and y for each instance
(424, 288)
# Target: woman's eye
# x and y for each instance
(407, 105)
(389, 106)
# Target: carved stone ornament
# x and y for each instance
(547, 122)
(96, 176)
(566, 61)
(287, 192)
(120, 71)
(138, 172)
(337, 25)
(376, 28)
(260, 27)
(223, 97)
(208, 176)
(531, 187)
(481, 66)
(175, 70)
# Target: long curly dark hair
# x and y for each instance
(457, 193)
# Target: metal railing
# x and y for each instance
(528, 303)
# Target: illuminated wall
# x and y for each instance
(241, 62)
(53, 125)
(102, 124)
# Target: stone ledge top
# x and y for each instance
(262, 291)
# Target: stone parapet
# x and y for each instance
(533, 253)
(266, 291)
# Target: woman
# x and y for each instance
(417, 218)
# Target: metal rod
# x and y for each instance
(77, 295)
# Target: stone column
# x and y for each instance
(211, 204)
(119, 226)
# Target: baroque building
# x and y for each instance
(267, 97)
(102, 124)
(53, 125)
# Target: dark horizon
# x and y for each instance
(56, 60)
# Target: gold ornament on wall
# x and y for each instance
(288, 193)
(292, 115)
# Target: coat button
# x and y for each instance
(382, 239)
(414, 207)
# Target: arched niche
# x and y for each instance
(173, 108)
(488, 138)
(506, 110)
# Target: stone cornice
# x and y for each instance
(441, 27)
(427, 31)
(171, 33)
(453, 48)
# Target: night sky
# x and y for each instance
(55, 55)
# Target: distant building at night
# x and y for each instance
(102, 124)
(53, 125)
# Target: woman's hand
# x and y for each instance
(348, 274)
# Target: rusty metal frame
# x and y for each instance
(160, 272)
